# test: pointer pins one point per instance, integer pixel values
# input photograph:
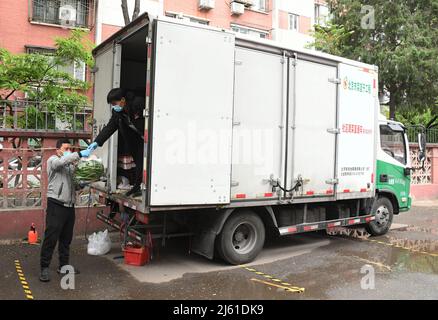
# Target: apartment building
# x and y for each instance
(280, 20)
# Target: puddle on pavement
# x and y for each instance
(404, 254)
(400, 259)
(421, 229)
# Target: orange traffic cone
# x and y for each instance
(32, 235)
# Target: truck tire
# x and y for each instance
(242, 238)
(383, 210)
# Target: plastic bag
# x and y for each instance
(89, 170)
(124, 184)
(99, 243)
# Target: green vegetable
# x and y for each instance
(88, 171)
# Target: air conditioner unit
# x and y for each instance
(67, 15)
(206, 4)
(246, 3)
(237, 8)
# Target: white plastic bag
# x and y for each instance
(99, 243)
(124, 184)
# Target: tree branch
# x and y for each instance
(125, 11)
(136, 9)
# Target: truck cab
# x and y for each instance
(393, 174)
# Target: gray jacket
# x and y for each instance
(60, 171)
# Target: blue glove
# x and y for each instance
(85, 153)
(92, 146)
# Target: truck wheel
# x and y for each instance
(384, 212)
(242, 238)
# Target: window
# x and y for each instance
(75, 69)
(393, 142)
(321, 14)
(294, 21)
(189, 18)
(48, 11)
(194, 20)
(249, 31)
(259, 5)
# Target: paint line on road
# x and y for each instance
(22, 278)
(274, 279)
(378, 264)
(286, 288)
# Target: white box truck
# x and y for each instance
(244, 136)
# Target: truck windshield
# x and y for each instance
(393, 143)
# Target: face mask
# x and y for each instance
(66, 153)
(117, 108)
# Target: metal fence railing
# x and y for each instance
(431, 135)
(44, 116)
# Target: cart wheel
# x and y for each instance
(242, 238)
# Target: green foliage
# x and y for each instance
(411, 117)
(330, 38)
(403, 44)
(77, 47)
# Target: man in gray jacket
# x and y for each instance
(60, 214)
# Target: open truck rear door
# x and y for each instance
(106, 77)
(189, 120)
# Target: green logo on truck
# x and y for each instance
(356, 86)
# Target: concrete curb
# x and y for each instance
(399, 226)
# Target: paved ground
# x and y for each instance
(405, 264)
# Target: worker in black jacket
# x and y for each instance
(127, 117)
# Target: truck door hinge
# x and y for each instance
(334, 130)
(332, 181)
(238, 62)
(234, 183)
(335, 80)
(236, 123)
(271, 180)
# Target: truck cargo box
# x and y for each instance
(235, 121)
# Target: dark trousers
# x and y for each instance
(60, 221)
(137, 155)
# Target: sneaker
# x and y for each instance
(75, 271)
(44, 275)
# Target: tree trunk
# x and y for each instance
(392, 106)
(136, 9)
(125, 12)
